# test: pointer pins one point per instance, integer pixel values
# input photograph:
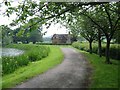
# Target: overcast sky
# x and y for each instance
(53, 29)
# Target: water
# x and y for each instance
(10, 52)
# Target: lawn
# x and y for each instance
(104, 75)
(54, 58)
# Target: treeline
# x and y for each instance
(96, 23)
(31, 36)
(18, 35)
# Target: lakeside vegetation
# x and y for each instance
(93, 21)
(32, 53)
(34, 68)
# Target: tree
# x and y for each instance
(28, 36)
(6, 35)
(44, 12)
(73, 30)
(116, 37)
(19, 36)
(47, 12)
(99, 43)
(84, 27)
(87, 30)
(106, 20)
(35, 36)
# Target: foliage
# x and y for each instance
(27, 36)
(10, 64)
(104, 15)
(116, 37)
(86, 29)
(32, 53)
(33, 69)
(104, 75)
(114, 49)
(35, 36)
(6, 33)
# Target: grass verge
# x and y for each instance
(104, 75)
(33, 69)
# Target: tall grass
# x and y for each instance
(32, 53)
(23, 73)
(114, 48)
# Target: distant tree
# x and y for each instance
(28, 36)
(47, 39)
(35, 36)
(6, 35)
(74, 31)
(88, 31)
(19, 36)
(84, 27)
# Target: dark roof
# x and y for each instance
(60, 36)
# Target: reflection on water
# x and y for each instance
(10, 52)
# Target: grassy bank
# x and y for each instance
(34, 68)
(104, 75)
(32, 53)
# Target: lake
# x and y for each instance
(10, 52)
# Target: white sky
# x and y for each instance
(53, 29)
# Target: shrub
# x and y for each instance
(114, 52)
(32, 53)
(114, 49)
(10, 64)
(22, 60)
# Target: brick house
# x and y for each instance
(61, 39)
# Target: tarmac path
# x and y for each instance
(73, 72)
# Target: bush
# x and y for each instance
(32, 53)
(115, 52)
(10, 64)
(114, 49)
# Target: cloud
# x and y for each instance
(55, 29)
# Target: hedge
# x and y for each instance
(114, 49)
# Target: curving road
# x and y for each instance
(73, 72)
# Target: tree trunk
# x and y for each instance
(90, 47)
(107, 52)
(34, 42)
(99, 44)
